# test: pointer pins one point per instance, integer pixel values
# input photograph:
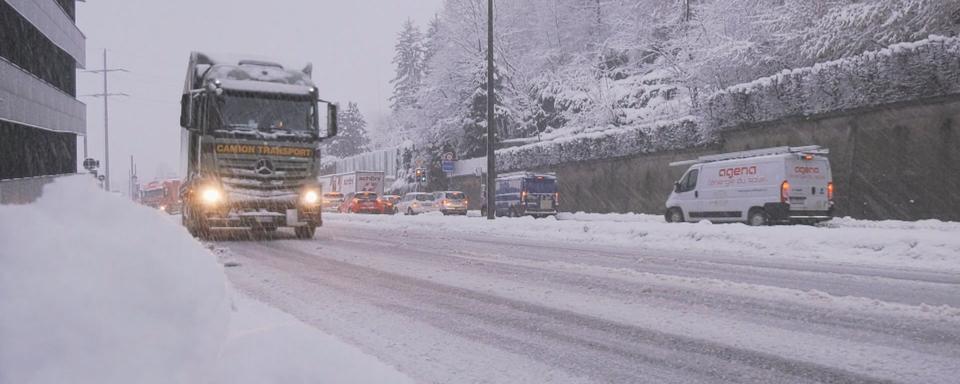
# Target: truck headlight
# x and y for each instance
(211, 195)
(311, 197)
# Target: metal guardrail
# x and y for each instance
(23, 191)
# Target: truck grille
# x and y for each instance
(252, 178)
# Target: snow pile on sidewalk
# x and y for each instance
(929, 245)
(94, 289)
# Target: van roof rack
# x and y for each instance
(809, 149)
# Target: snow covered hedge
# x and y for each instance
(902, 72)
(604, 144)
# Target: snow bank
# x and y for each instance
(94, 289)
(929, 245)
(902, 72)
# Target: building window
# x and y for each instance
(26, 47)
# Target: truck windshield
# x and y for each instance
(541, 185)
(251, 112)
(153, 194)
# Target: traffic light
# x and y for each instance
(421, 175)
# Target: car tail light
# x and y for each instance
(556, 197)
(830, 191)
(523, 196)
(785, 192)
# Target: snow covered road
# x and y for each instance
(460, 300)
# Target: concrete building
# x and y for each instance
(40, 116)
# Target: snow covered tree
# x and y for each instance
(571, 66)
(352, 138)
(409, 61)
(474, 141)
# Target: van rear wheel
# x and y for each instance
(757, 218)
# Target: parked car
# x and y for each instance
(332, 201)
(526, 194)
(415, 203)
(362, 202)
(390, 204)
(760, 187)
(451, 202)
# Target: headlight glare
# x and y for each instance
(311, 197)
(211, 195)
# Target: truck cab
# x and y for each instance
(249, 143)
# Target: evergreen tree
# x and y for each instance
(352, 138)
(431, 44)
(474, 142)
(409, 60)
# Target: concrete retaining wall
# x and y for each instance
(899, 161)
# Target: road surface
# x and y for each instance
(447, 307)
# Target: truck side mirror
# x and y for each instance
(186, 111)
(331, 120)
(676, 186)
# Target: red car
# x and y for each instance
(363, 202)
(390, 204)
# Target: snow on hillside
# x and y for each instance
(602, 144)
(902, 72)
(94, 289)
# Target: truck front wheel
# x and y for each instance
(305, 232)
(195, 224)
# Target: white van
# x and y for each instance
(760, 187)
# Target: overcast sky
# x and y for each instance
(350, 43)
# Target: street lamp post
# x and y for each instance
(491, 123)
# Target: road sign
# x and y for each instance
(90, 164)
(447, 163)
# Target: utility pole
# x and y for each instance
(133, 180)
(491, 123)
(106, 117)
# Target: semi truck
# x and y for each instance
(249, 145)
(163, 195)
